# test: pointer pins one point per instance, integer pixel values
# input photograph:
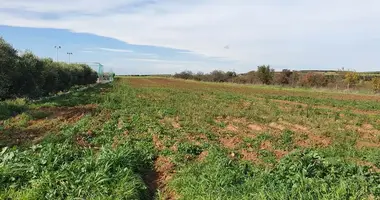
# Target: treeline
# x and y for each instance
(28, 76)
(266, 75)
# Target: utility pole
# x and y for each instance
(57, 47)
(69, 53)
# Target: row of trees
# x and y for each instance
(266, 75)
(32, 77)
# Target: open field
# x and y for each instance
(162, 138)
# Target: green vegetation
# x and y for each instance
(32, 77)
(163, 138)
(339, 80)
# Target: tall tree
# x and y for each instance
(265, 74)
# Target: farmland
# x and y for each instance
(163, 138)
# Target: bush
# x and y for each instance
(284, 77)
(313, 80)
(351, 78)
(32, 77)
(184, 75)
(376, 84)
(265, 74)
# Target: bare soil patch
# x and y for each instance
(203, 155)
(313, 140)
(255, 127)
(158, 178)
(37, 129)
(367, 144)
(232, 128)
(277, 126)
(250, 155)
(230, 143)
(157, 142)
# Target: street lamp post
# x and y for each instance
(69, 53)
(57, 47)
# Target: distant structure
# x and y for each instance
(102, 76)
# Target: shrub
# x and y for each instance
(313, 80)
(218, 76)
(376, 84)
(284, 77)
(184, 75)
(32, 77)
(265, 74)
(351, 78)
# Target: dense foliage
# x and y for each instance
(301, 175)
(29, 76)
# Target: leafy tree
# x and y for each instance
(351, 78)
(218, 76)
(184, 75)
(29, 76)
(265, 74)
(28, 79)
(8, 59)
(376, 84)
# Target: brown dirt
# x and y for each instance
(230, 143)
(37, 129)
(157, 143)
(246, 104)
(69, 114)
(367, 126)
(314, 140)
(367, 144)
(232, 128)
(277, 126)
(158, 178)
(203, 155)
(295, 127)
(255, 127)
(280, 153)
(267, 145)
(174, 148)
(250, 156)
(366, 131)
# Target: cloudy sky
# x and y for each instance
(167, 36)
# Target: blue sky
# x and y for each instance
(168, 36)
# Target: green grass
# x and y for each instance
(153, 138)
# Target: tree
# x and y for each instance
(313, 80)
(265, 74)
(8, 59)
(218, 76)
(284, 77)
(376, 84)
(184, 75)
(351, 78)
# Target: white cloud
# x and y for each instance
(87, 51)
(115, 50)
(284, 33)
